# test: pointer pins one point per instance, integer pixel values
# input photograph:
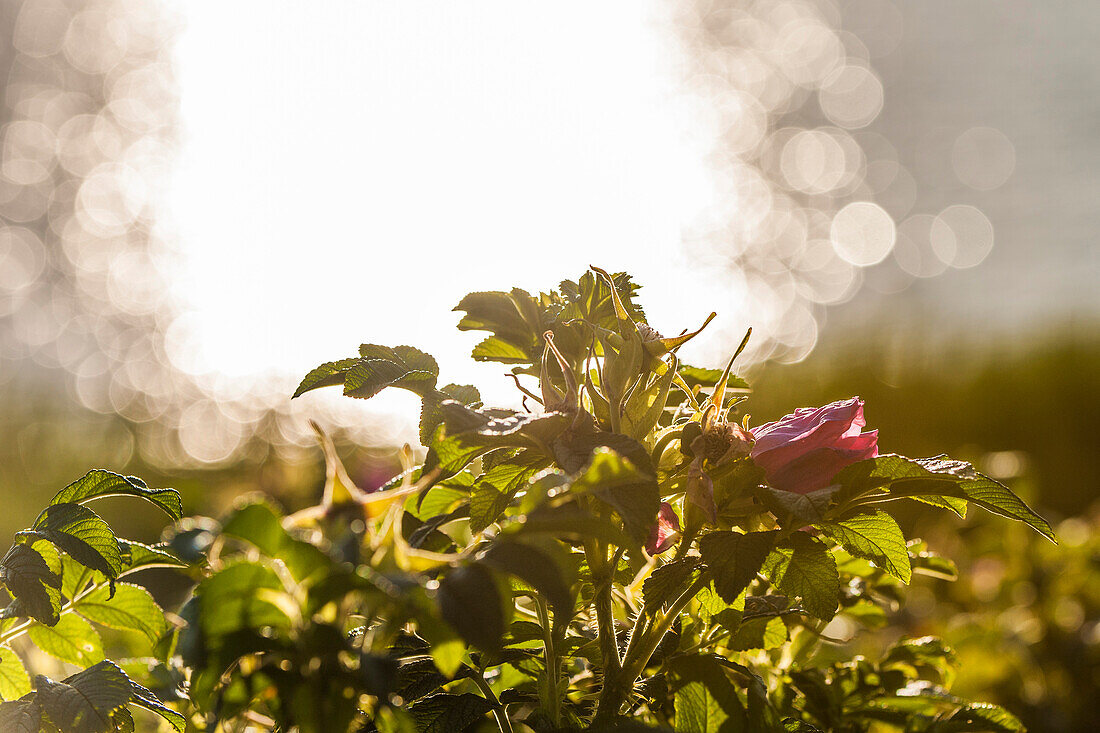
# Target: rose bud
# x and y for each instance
(803, 451)
(665, 532)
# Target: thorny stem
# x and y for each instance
(596, 555)
(617, 688)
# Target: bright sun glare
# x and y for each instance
(349, 171)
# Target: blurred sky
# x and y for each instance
(348, 173)
(336, 161)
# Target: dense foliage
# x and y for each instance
(626, 553)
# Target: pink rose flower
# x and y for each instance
(665, 531)
(803, 451)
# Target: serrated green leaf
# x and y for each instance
(804, 567)
(734, 559)
(84, 702)
(131, 608)
(100, 484)
(381, 366)
(448, 655)
(797, 510)
(875, 537)
(77, 530)
(705, 699)
(496, 488)
(137, 555)
(923, 478)
(71, 639)
(668, 581)
(417, 678)
(431, 413)
(327, 375)
(448, 713)
(260, 524)
(26, 575)
(14, 680)
(144, 698)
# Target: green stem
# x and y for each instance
(551, 700)
(605, 617)
(499, 712)
(617, 688)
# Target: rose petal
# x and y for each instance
(664, 532)
(806, 429)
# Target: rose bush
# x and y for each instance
(621, 554)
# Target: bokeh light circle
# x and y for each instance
(863, 233)
(962, 236)
(983, 158)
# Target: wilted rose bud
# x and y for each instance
(803, 451)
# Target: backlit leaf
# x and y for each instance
(98, 484)
(875, 537)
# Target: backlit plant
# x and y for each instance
(628, 552)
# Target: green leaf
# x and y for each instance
(709, 377)
(514, 320)
(233, 600)
(260, 524)
(797, 510)
(327, 375)
(448, 655)
(668, 581)
(77, 530)
(417, 678)
(26, 575)
(144, 698)
(734, 559)
(933, 565)
(99, 484)
(447, 713)
(935, 477)
(131, 608)
(495, 490)
(617, 482)
(137, 555)
(470, 602)
(537, 568)
(496, 349)
(804, 567)
(759, 633)
(21, 716)
(705, 699)
(431, 414)
(875, 537)
(382, 366)
(979, 716)
(86, 701)
(14, 680)
(71, 639)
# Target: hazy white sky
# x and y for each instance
(349, 170)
